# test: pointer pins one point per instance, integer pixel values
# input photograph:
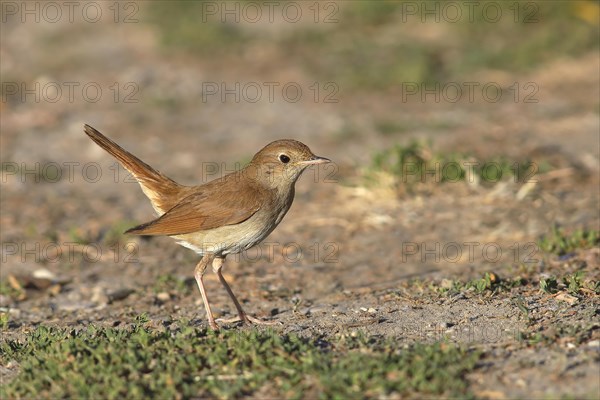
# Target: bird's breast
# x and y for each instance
(232, 239)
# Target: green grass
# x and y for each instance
(7, 290)
(182, 27)
(560, 242)
(574, 283)
(488, 283)
(417, 163)
(378, 45)
(4, 320)
(389, 127)
(115, 235)
(171, 284)
(549, 285)
(144, 361)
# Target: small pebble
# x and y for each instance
(43, 273)
(163, 297)
(98, 296)
(119, 294)
(5, 301)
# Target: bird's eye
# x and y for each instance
(284, 159)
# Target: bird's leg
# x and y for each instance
(198, 274)
(217, 265)
(242, 316)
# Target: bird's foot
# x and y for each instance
(213, 325)
(247, 319)
(257, 321)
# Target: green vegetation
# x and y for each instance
(79, 236)
(183, 26)
(489, 283)
(559, 242)
(381, 45)
(142, 361)
(549, 285)
(4, 320)
(576, 284)
(171, 284)
(115, 235)
(417, 163)
(7, 290)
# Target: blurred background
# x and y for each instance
(196, 88)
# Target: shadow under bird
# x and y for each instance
(225, 216)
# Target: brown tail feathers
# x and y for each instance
(162, 191)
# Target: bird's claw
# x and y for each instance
(247, 319)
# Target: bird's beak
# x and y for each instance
(315, 160)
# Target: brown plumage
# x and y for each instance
(162, 191)
(224, 216)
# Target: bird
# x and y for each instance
(224, 216)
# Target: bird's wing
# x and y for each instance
(206, 208)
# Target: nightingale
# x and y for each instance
(224, 216)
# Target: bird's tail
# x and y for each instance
(160, 189)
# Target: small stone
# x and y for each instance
(119, 294)
(14, 313)
(43, 273)
(5, 301)
(371, 310)
(594, 343)
(99, 297)
(54, 289)
(163, 297)
(570, 346)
